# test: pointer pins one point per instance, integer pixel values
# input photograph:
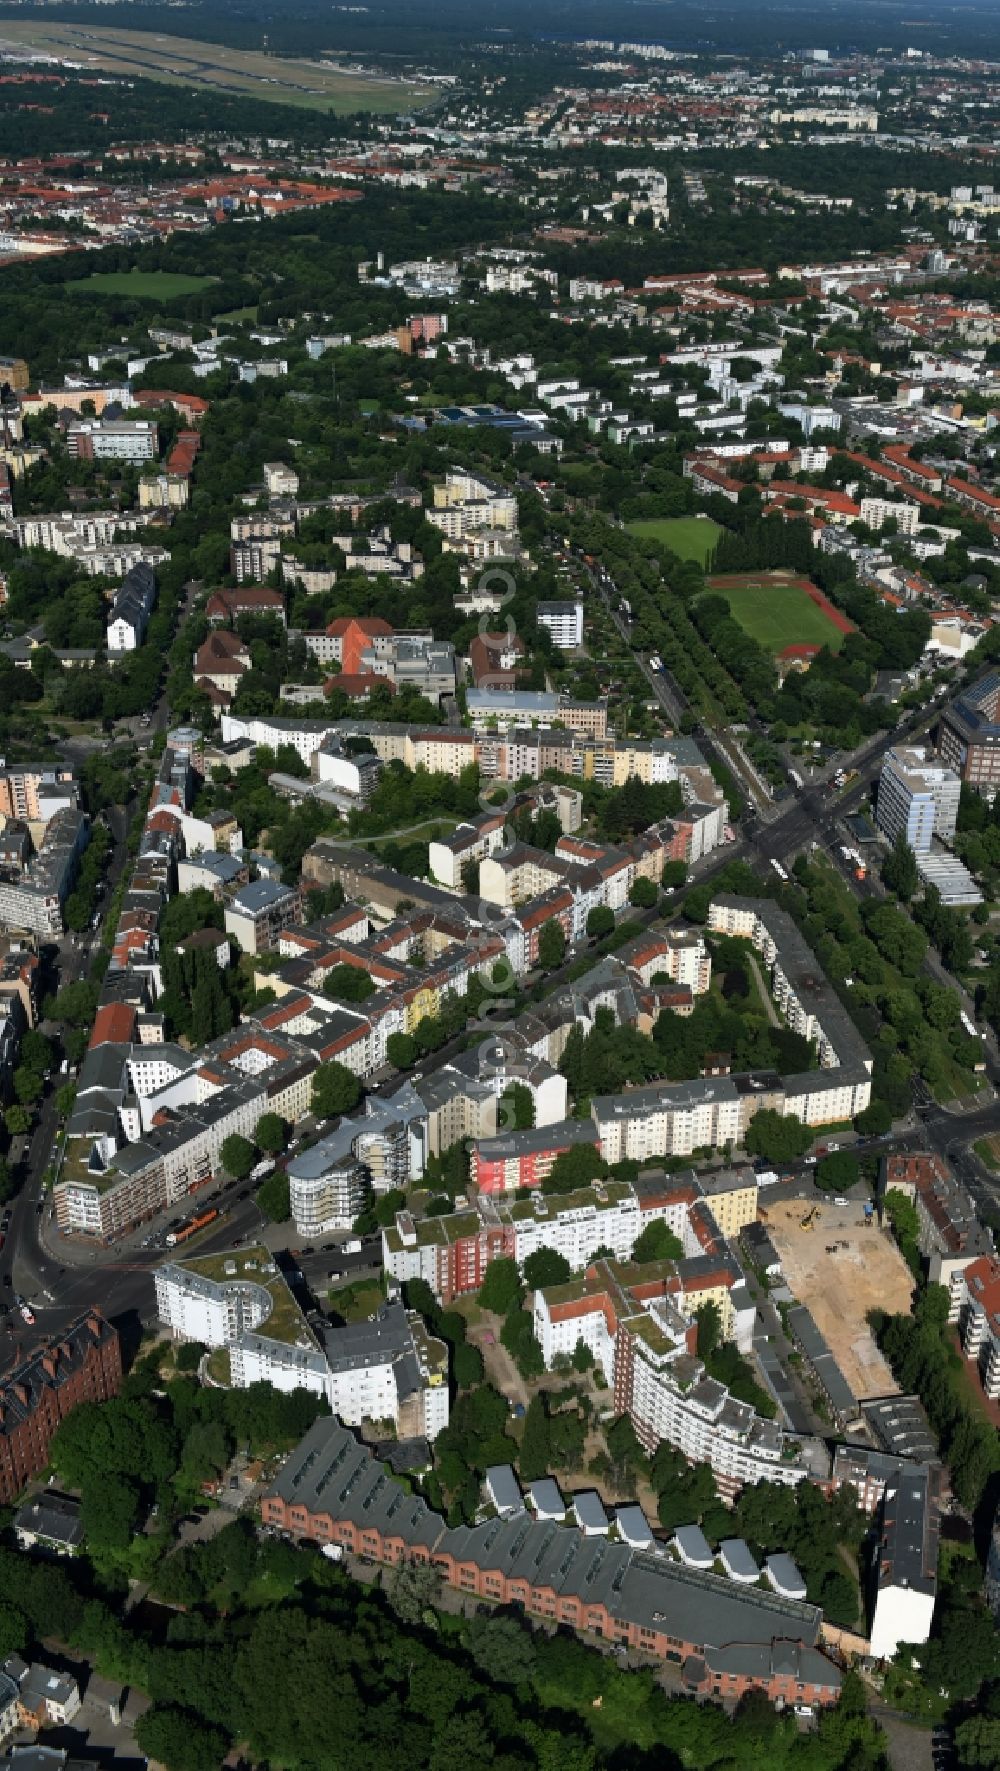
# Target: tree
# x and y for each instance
(14, 1632)
(501, 1288)
(28, 1085)
(348, 983)
(502, 1648)
(180, 1739)
(466, 1365)
(535, 1454)
(642, 894)
(545, 1267)
(189, 1355)
(109, 1513)
(237, 1156)
(518, 1336)
(66, 1099)
(837, 1172)
(17, 1120)
(271, 1134)
(709, 1322)
(674, 874)
(778, 1137)
(335, 1090)
(581, 1358)
(875, 1121)
(902, 1215)
(551, 945)
(35, 1051)
(899, 870)
(600, 921)
(978, 1742)
(274, 1197)
(657, 1242)
(573, 1168)
(401, 1050)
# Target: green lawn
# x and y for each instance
(780, 615)
(148, 285)
(690, 538)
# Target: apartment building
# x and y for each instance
(332, 1490)
(949, 1233)
(113, 439)
(130, 612)
(469, 501)
(969, 735)
(917, 798)
(467, 846)
(82, 1365)
(281, 480)
(876, 512)
(386, 1369)
(34, 792)
(638, 1324)
(389, 1369)
(800, 989)
(501, 709)
(975, 1304)
(33, 901)
(564, 621)
(905, 1573)
(382, 1148)
(453, 1252)
(257, 913)
(523, 1158)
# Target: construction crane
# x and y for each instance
(807, 1220)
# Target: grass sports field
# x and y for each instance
(152, 285)
(181, 61)
(779, 610)
(690, 538)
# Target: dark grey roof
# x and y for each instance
(504, 1487)
(784, 1573)
(839, 1391)
(692, 1542)
(910, 1532)
(54, 1517)
(589, 1510)
(330, 1473)
(901, 1427)
(737, 1560)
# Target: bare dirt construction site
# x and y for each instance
(840, 1269)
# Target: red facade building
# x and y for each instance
(82, 1365)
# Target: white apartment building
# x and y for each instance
(905, 1580)
(240, 1301)
(975, 1300)
(917, 798)
(564, 621)
(645, 1350)
(470, 501)
(468, 843)
(388, 1369)
(118, 439)
(875, 513)
(685, 961)
(668, 1119)
(281, 480)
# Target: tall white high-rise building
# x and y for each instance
(917, 798)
